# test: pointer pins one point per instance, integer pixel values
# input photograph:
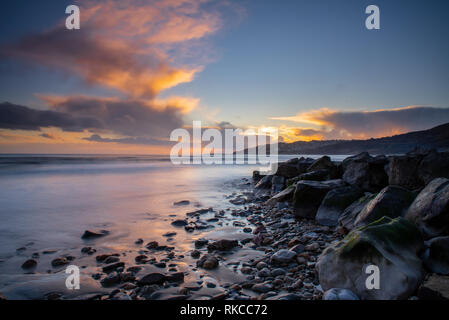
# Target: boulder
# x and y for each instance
(434, 165)
(309, 195)
(208, 262)
(317, 175)
(284, 195)
(152, 278)
(392, 245)
(348, 217)
(436, 256)
(365, 171)
(430, 210)
(404, 171)
(416, 169)
(283, 257)
(391, 202)
(277, 184)
(339, 294)
(436, 287)
(265, 182)
(287, 170)
(223, 245)
(324, 163)
(335, 202)
(30, 263)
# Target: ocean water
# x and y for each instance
(46, 203)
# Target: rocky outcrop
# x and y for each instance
(430, 210)
(393, 245)
(416, 169)
(335, 202)
(309, 195)
(265, 182)
(435, 287)
(436, 256)
(365, 171)
(317, 175)
(324, 163)
(277, 184)
(391, 202)
(348, 217)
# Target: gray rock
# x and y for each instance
(283, 257)
(284, 195)
(348, 217)
(261, 287)
(179, 223)
(30, 263)
(110, 280)
(277, 184)
(392, 245)
(339, 294)
(223, 245)
(430, 210)
(366, 172)
(324, 163)
(334, 204)
(208, 262)
(435, 287)
(392, 201)
(93, 234)
(317, 175)
(265, 182)
(152, 278)
(309, 195)
(436, 256)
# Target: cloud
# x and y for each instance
(332, 124)
(16, 117)
(130, 140)
(126, 45)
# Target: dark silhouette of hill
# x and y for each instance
(435, 138)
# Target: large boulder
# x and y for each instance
(335, 202)
(436, 287)
(348, 217)
(317, 175)
(365, 171)
(393, 245)
(430, 210)
(309, 195)
(416, 169)
(284, 195)
(392, 202)
(277, 184)
(324, 163)
(339, 294)
(264, 182)
(436, 256)
(287, 169)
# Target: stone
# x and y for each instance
(152, 245)
(430, 210)
(308, 196)
(348, 217)
(436, 255)
(393, 245)
(261, 287)
(366, 172)
(277, 184)
(152, 278)
(201, 242)
(263, 273)
(113, 266)
(179, 223)
(110, 280)
(312, 247)
(392, 201)
(435, 287)
(208, 262)
(324, 163)
(283, 257)
(334, 204)
(317, 175)
(59, 262)
(30, 263)
(223, 245)
(298, 248)
(284, 195)
(265, 182)
(93, 234)
(339, 294)
(287, 170)
(195, 254)
(181, 203)
(175, 277)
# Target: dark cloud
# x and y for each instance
(307, 132)
(129, 118)
(46, 135)
(16, 117)
(130, 140)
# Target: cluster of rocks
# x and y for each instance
(393, 210)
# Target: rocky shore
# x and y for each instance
(307, 232)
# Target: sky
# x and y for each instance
(138, 69)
